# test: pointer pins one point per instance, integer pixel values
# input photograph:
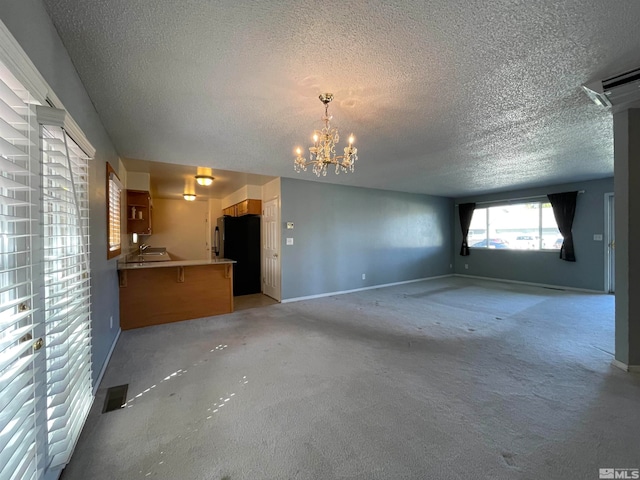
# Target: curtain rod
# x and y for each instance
(513, 199)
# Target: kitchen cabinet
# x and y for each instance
(190, 289)
(247, 207)
(139, 211)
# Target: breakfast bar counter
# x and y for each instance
(152, 292)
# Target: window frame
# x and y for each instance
(114, 206)
(540, 202)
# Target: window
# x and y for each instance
(19, 312)
(114, 205)
(45, 304)
(67, 288)
(520, 226)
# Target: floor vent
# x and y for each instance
(116, 398)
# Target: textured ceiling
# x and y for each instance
(170, 180)
(446, 97)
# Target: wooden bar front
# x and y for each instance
(152, 296)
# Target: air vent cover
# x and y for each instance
(620, 90)
(116, 398)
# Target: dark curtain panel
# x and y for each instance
(564, 209)
(466, 212)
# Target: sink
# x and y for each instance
(154, 251)
(158, 254)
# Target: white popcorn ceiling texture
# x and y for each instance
(445, 97)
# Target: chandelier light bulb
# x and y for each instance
(315, 138)
(351, 139)
(298, 151)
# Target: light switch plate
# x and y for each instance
(597, 237)
(289, 225)
(289, 241)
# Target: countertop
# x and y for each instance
(172, 263)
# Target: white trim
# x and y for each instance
(625, 367)
(373, 287)
(72, 128)
(16, 59)
(106, 362)
(544, 285)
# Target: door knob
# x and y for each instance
(37, 345)
(275, 255)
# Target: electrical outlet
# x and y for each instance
(111, 321)
(364, 276)
(451, 265)
(289, 225)
(289, 241)
(597, 237)
(466, 266)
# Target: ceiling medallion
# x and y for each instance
(323, 152)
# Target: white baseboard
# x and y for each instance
(106, 362)
(373, 287)
(544, 285)
(625, 367)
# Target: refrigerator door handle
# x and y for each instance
(216, 242)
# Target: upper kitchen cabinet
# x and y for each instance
(246, 207)
(249, 207)
(139, 210)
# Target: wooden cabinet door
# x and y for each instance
(243, 208)
(138, 212)
(254, 207)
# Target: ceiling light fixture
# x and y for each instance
(323, 152)
(189, 197)
(204, 176)
(204, 180)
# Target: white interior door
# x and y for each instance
(271, 249)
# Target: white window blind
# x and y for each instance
(114, 213)
(20, 457)
(67, 289)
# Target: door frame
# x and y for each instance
(609, 236)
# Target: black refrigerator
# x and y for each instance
(238, 238)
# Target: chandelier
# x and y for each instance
(323, 152)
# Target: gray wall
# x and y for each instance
(545, 267)
(29, 23)
(342, 232)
